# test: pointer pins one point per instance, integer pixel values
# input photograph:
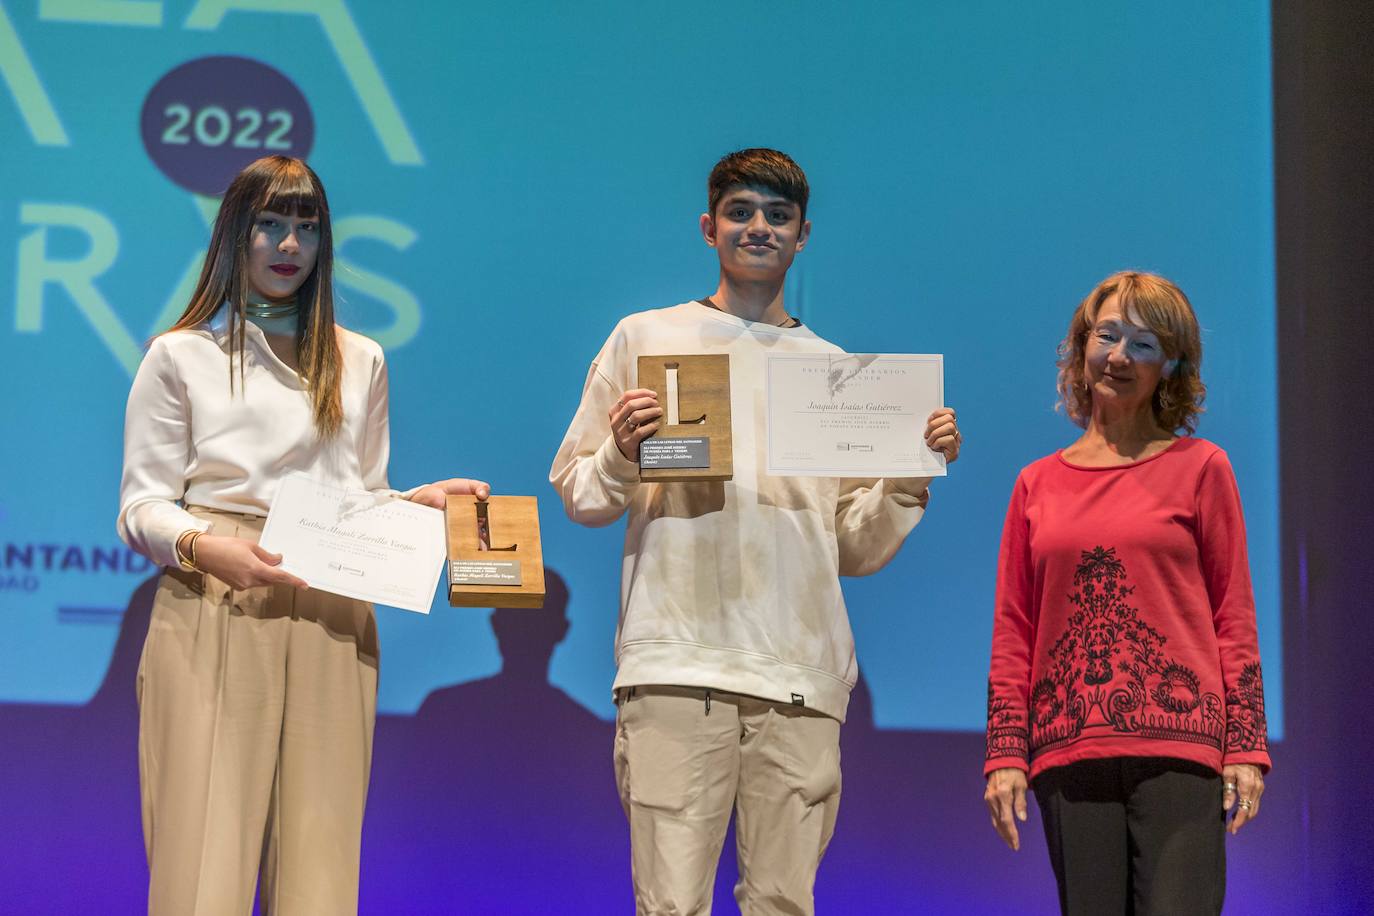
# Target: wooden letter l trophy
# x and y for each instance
(693, 439)
(494, 556)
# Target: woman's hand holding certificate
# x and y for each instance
(241, 564)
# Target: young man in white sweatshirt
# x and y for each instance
(734, 654)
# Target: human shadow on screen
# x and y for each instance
(497, 780)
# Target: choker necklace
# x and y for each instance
(270, 310)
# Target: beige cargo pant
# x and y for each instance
(685, 758)
(256, 711)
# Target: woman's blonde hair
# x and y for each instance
(1157, 304)
(290, 187)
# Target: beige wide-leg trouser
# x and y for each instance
(684, 761)
(256, 711)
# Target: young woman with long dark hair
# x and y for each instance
(257, 696)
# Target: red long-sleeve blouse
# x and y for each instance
(1125, 621)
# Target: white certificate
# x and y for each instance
(853, 414)
(357, 544)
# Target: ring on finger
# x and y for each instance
(631, 425)
(1246, 803)
(1228, 787)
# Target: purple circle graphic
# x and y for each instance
(208, 118)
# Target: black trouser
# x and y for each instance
(1135, 835)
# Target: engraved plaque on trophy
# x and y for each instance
(693, 438)
(494, 555)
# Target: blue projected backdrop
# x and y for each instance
(509, 179)
(502, 196)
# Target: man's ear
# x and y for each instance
(708, 229)
(804, 234)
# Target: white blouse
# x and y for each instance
(187, 440)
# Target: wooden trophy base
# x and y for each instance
(511, 572)
(703, 413)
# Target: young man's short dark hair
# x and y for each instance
(758, 168)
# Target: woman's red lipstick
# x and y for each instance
(286, 270)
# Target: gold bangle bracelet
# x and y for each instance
(187, 560)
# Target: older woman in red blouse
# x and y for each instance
(1125, 679)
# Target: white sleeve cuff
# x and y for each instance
(909, 491)
(154, 530)
(614, 467)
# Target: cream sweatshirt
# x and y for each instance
(735, 585)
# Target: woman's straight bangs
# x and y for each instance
(291, 192)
